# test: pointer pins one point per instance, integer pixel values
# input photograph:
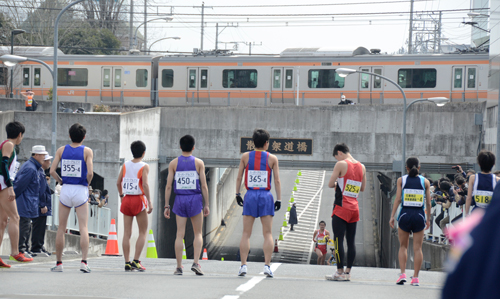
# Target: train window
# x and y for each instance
(325, 79)
(471, 77)
(377, 81)
(141, 78)
(167, 78)
(72, 77)
(365, 81)
(457, 78)
(417, 78)
(38, 76)
(26, 76)
(204, 78)
(3, 75)
(239, 78)
(106, 79)
(289, 79)
(118, 77)
(192, 78)
(277, 79)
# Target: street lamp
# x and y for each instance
(13, 60)
(439, 101)
(167, 19)
(174, 37)
(12, 33)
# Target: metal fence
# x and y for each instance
(99, 218)
(434, 233)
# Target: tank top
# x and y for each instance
(132, 178)
(349, 186)
(258, 174)
(484, 184)
(13, 165)
(73, 166)
(320, 238)
(29, 101)
(187, 178)
(413, 192)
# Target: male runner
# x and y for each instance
(8, 208)
(187, 175)
(77, 171)
(258, 166)
(133, 187)
(481, 185)
(351, 178)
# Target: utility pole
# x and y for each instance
(410, 43)
(145, 25)
(131, 31)
(439, 31)
(202, 19)
(217, 33)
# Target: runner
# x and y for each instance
(77, 171)
(8, 208)
(258, 166)
(133, 188)
(320, 237)
(351, 175)
(482, 183)
(412, 189)
(190, 188)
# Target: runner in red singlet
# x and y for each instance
(350, 176)
(321, 242)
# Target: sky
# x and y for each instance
(334, 24)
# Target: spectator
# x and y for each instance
(29, 102)
(104, 198)
(58, 188)
(40, 223)
(27, 189)
(344, 101)
(448, 196)
(293, 217)
(460, 195)
(497, 173)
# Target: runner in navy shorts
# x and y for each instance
(258, 167)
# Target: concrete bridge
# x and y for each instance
(439, 136)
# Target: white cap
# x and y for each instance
(342, 97)
(39, 150)
(47, 157)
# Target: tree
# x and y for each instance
(87, 40)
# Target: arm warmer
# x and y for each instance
(5, 171)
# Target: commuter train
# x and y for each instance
(295, 77)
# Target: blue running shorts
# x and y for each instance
(258, 203)
(188, 205)
(412, 220)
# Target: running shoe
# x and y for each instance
(137, 266)
(84, 268)
(401, 279)
(414, 281)
(128, 267)
(20, 258)
(268, 272)
(243, 270)
(178, 271)
(3, 265)
(57, 268)
(196, 268)
(336, 277)
(347, 276)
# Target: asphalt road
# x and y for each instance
(108, 280)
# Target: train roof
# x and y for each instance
(31, 51)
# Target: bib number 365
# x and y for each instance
(257, 179)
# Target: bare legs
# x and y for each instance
(82, 213)
(267, 223)
(321, 257)
(418, 239)
(245, 238)
(404, 239)
(142, 222)
(8, 210)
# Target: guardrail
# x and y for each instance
(434, 233)
(99, 218)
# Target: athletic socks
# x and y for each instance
(84, 261)
(58, 263)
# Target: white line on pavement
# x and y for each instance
(251, 283)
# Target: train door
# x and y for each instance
(370, 87)
(31, 77)
(282, 87)
(111, 84)
(198, 88)
(464, 83)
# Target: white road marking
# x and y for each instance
(251, 283)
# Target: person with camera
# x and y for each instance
(448, 197)
(460, 195)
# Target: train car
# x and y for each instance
(308, 77)
(295, 77)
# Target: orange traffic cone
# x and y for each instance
(276, 246)
(112, 244)
(205, 255)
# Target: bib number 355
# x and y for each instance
(71, 168)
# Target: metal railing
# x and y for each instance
(98, 224)
(434, 233)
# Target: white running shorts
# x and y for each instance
(74, 195)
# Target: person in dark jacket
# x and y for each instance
(40, 223)
(293, 217)
(27, 189)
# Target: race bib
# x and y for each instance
(352, 188)
(257, 179)
(483, 198)
(130, 186)
(14, 169)
(71, 168)
(413, 198)
(186, 180)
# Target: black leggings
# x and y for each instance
(340, 229)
